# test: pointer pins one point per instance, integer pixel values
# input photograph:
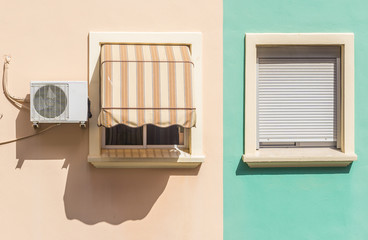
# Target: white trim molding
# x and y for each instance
(285, 157)
(194, 41)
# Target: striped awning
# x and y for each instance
(146, 84)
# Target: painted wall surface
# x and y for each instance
(48, 190)
(311, 203)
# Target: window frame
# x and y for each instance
(190, 159)
(298, 157)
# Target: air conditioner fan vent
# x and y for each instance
(50, 101)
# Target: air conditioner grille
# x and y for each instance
(50, 101)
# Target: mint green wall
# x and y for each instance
(293, 204)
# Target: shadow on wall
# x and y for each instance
(114, 195)
(93, 195)
(243, 169)
(64, 142)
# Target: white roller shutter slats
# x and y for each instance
(297, 99)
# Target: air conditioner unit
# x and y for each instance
(59, 102)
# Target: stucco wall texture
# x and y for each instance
(310, 203)
(48, 190)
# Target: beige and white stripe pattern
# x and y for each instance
(146, 84)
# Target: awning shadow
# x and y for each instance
(114, 195)
(92, 195)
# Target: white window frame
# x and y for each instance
(300, 157)
(186, 160)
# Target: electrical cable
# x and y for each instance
(32, 135)
(15, 100)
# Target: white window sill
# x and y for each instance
(145, 158)
(299, 157)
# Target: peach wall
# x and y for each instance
(48, 190)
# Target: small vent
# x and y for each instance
(51, 101)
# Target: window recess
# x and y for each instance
(298, 96)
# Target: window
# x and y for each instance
(147, 136)
(142, 89)
(297, 94)
(299, 100)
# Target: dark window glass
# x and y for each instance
(173, 135)
(123, 135)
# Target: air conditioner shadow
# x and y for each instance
(65, 142)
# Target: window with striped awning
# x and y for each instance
(146, 84)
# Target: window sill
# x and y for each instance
(145, 158)
(298, 157)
